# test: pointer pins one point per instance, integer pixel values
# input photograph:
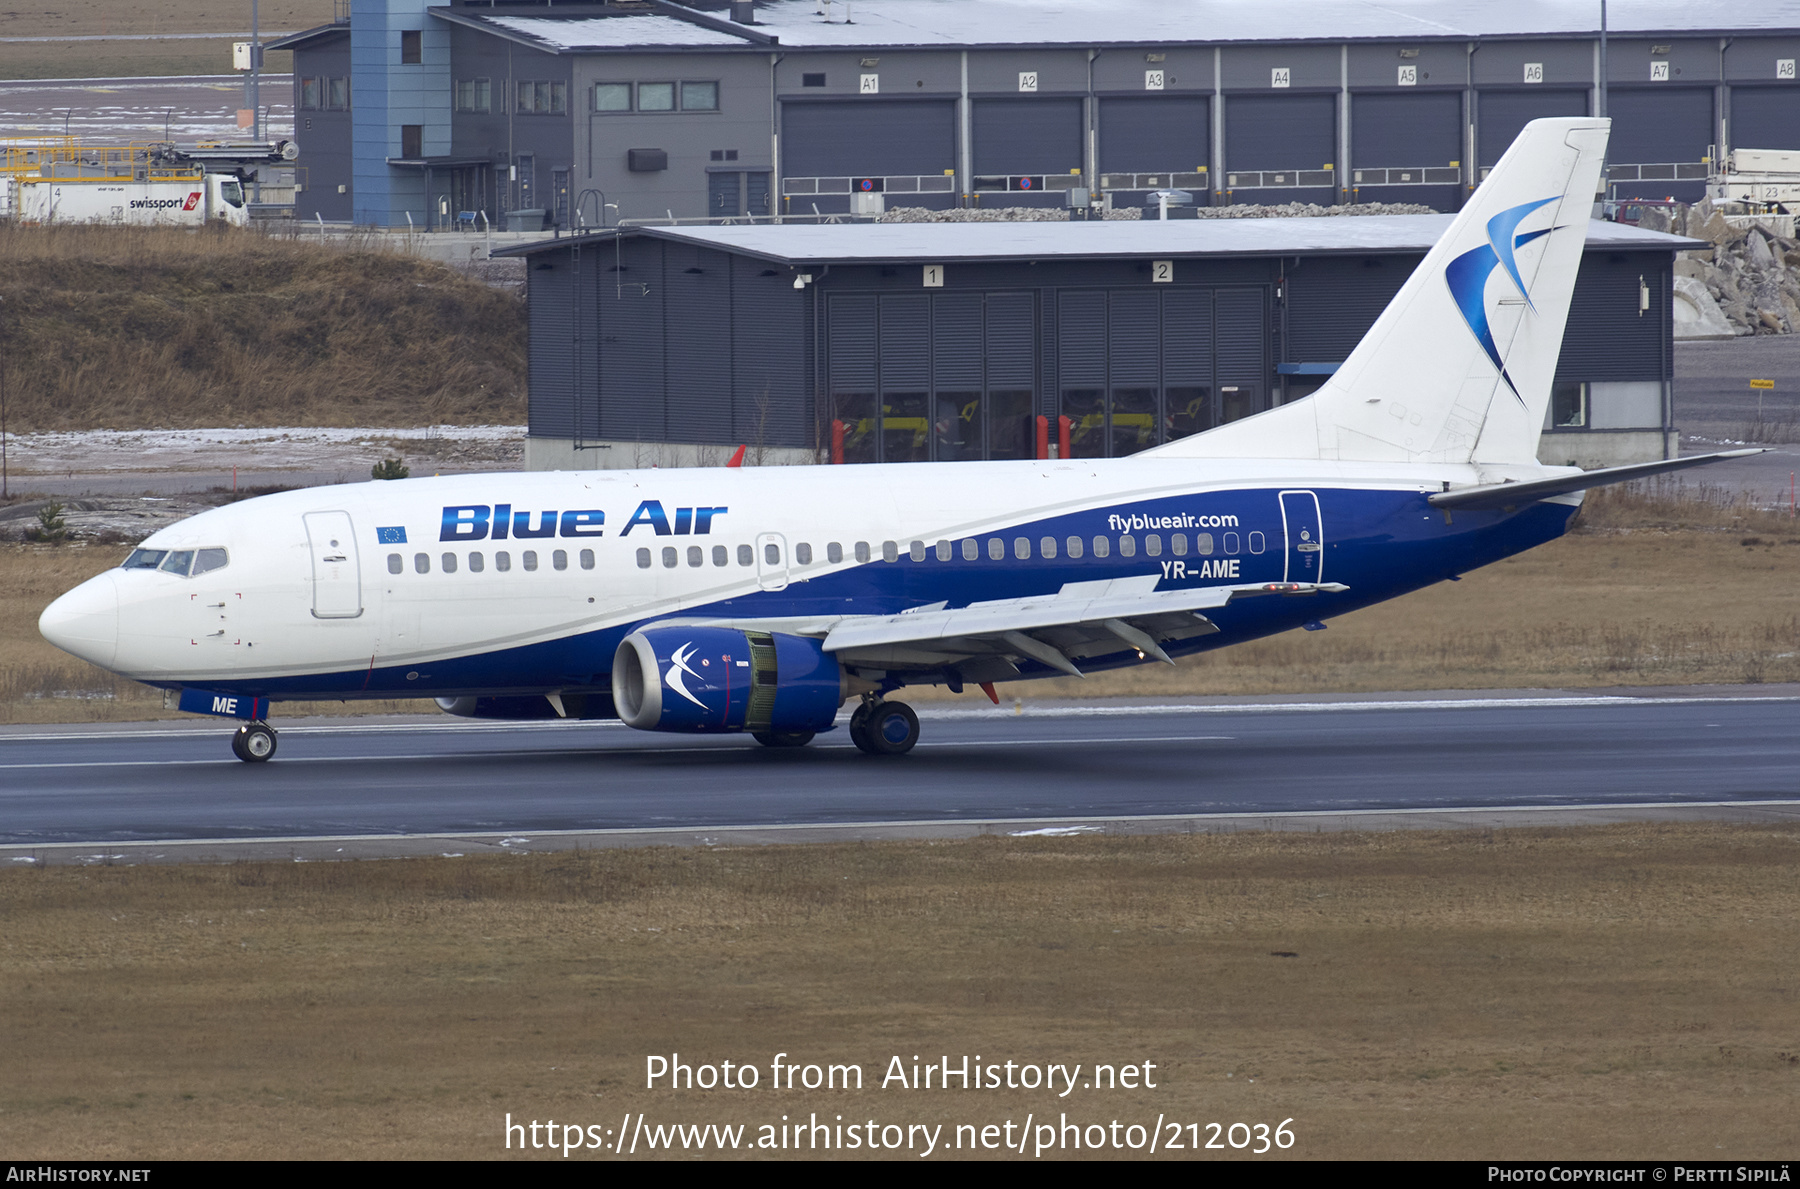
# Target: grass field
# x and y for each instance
(1648, 591)
(1611, 992)
(134, 49)
(121, 328)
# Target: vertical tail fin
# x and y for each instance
(1459, 366)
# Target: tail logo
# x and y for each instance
(1468, 276)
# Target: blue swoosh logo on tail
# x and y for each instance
(1468, 274)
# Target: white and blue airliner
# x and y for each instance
(762, 600)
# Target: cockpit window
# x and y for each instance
(185, 562)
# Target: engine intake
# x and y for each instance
(707, 680)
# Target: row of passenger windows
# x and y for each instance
(503, 561)
(971, 549)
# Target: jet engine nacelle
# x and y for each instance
(716, 679)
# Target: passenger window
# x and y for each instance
(177, 562)
(862, 551)
(916, 551)
(1127, 546)
(476, 565)
(996, 549)
(422, 562)
(746, 556)
(1178, 544)
(643, 559)
(528, 559)
(943, 550)
(208, 560)
(696, 558)
(503, 562)
(1103, 546)
(1022, 548)
(1152, 546)
(1073, 544)
(834, 553)
(771, 554)
(587, 558)
(143, 559)
(803, 554)
(395, 564)
(721, 557)
(449, 562)
(1203, 544)
(1231, 543)
(671, 558)
(559, 558)
(1256, 543)
(890, 551)
(1047, 547)
(970, 550)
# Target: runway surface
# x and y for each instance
(112, 111)
(501, 784)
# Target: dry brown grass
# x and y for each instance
(1648, 591)
(123, 328)
(1622, 992)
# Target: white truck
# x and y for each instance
(1758, 178)
(193, 202)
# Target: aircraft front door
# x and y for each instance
(1305, 537)
(336, 571)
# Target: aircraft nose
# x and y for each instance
(85, 621)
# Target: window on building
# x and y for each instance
(311, 93)
(656, 96)
(337, 94)
(474, 94)
(812, 80)
(412, 47)
(612, 96)
(540, 97)
(699, 96)
(1569, 406)
(412, 140)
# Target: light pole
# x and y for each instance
(5, 492)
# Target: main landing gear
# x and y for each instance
(883, 728)
(254, 742)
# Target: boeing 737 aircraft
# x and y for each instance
(762, 600)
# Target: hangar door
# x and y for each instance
(932, 377)
(1661, 138)
(1022, 145)
(1136, 368)
(896, 146)
(1407, 148)
(1765, 117)
(1151, 142)
(1501, 115)
(1280, 142)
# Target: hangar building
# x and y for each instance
(584, 114)
(934, 342)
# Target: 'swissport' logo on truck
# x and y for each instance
(166, 204)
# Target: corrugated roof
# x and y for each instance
(810, 24)
(881, 243)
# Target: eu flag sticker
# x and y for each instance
(391, 536)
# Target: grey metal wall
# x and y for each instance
(324, 136)
(1766, 117)
(872, 138)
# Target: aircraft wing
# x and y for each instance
(1081, 619)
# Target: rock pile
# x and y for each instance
(1750, 271)
(1051, 214)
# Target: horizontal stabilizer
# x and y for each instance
(1507, 495)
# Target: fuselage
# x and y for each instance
(525, 583)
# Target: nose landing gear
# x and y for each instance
(883, 728)
(254, 742)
